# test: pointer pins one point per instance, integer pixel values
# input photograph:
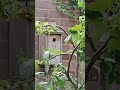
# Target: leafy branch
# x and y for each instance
(68, 70)
(95, 56)
(16, 10)
(46, 29)
(107, 18)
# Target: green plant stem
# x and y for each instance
(81, 86)
(68, 70)
(71, 57)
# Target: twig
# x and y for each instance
(70, 79)
(71, 58)
(81, 85)
(90, 41)
(54, 56)
(94, 57)
(68, 70)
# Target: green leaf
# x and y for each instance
(47, 68)
(46, 55)
(81, 3)
(26, 86)
(78, 27)
(76, 38)
(75, 29)
(2, 88)
(61, 83)
(80, 54)
(107, 67)
(26, 69)
(4, 83)
(97, 28)
(46, 23)
(51, 87)
(82, 45)
(93, 14)
(14, 9)
(58, 52)
(101, 5)
(110, 60)
(67, 39)
(115, 33)
(113, 44)
(72, 31)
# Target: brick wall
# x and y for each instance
(45, 10)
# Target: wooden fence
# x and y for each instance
(14, 35)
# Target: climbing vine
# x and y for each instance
(70, 8)
(12, 9)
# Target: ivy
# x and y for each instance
(69, 8)
(12, 9)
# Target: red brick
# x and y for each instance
(36, 39)
(63, 38)
(65, 57)
(41, 19)
(41, 13)
(56, 14)
(72, 71)
(36, 54)
(71, 47)
(66, 28)
(36, 4)
(68, 23)
(46, 5)
(65, 48)
(36, 47)
(36, 42)
(72, 65)
(54, 20)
